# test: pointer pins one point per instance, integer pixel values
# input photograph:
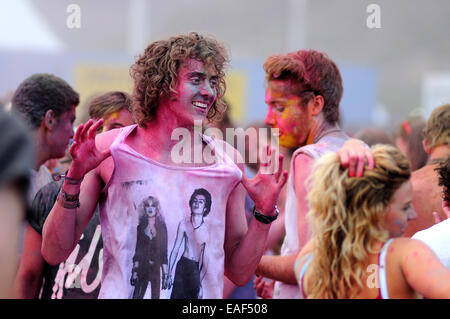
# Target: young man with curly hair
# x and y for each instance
(176, 81)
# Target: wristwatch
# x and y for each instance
(263, 218)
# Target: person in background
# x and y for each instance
(374, 135)
(47, 105)
(409, 138)
(437, 237)
(114, 108)
(356, 250)
(427, 192)
(16, 156)
(79, 276)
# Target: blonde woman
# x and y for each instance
(355, 250)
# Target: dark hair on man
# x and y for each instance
(108, 103)
(444, 178)
(42, 92)
(314, 73)
(155, 72)
(207, 195)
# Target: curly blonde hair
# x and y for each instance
(155, 72)
(346, 214)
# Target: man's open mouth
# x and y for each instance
(201, 105)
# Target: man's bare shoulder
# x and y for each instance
(302, 164)
(424, 178)
(104, 140)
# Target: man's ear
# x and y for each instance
(49, 119)
(425, 147)
(318, 103)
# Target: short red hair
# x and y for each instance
(314, 71)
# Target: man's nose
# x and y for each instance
(207, 89)
(269, 119)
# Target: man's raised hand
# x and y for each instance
(265, 187)
(85, 155)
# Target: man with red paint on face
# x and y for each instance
(176, 82)
(303, 92)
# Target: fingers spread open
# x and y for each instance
(86, 127)
(94, 128)
(283, 179)
(76, 137)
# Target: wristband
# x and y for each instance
(69, 180)
(263, 218)
(68, 200)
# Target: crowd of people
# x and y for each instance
(121, 209)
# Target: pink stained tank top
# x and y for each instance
(163, 226)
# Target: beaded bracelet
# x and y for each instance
(68, 200)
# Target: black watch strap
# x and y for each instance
(263, 218)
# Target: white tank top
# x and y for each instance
(328, 143)
(147, 225)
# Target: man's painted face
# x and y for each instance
(198, 205)
(287, 113)
(62, 133)
(399, 211)
(117, 119)
(196, 91)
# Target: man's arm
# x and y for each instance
(64, 226)
(281, 268)
(352, 155)
(29, 276)
(244, 248)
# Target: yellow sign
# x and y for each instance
(93, 79)
(236, 94)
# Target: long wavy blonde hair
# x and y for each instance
(345, 215)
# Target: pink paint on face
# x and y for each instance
(196, 91)
(287, 113)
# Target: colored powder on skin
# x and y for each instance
(114, 115)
